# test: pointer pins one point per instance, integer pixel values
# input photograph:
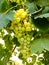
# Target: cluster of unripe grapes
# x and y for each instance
(22, 27)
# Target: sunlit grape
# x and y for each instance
(28, 28)
(22, 28)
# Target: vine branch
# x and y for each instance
(10, 9)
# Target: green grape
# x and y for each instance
(19, 24)
(22, 40)
(28, 29)
(28, 39)
(19, 35)
(22, 29)
(16, 29)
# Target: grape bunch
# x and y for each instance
(22, 27)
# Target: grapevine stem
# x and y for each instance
(36, 12)
(14, 48)
(10, 9)
(13, 7)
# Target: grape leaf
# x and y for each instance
(6, 18)
(42, 2)
(4, 5)
(10, 15)
(31, 7)
(42, 24)
(8, 42)
(15, 40)
(43, 15)
(3, 21)
(4, 61)
(45, 10)
(39, 45)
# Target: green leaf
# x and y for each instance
(6, 18)
(4, 5)
(1, 51)
(43, 15)
(42, 24)
(10, 15)
(42, 2)
(46, 10)
(15, 40)
(31, 7)
(3, 21)
(39, 63)
(46, 58)
(4, 61)
(27, 3)
(8, 42)
(38, 45)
